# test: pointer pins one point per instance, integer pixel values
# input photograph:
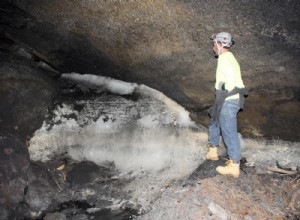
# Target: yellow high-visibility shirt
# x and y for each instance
(228, 72)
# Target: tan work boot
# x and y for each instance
(231, 168)
(212, 153)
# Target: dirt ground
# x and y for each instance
(207, 195)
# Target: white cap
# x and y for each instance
(224, 38)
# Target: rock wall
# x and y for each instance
(165, 45)
(26, 91)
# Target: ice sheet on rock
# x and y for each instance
(148, 133)
(152, 133)
(150, 139)
(101, 83)
(181, 115)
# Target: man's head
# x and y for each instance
(222, 42)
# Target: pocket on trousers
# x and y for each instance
(233, 109)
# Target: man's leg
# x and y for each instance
(213, 133)
(214, 136)
(228, 124)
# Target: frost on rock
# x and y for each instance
(151, 133)
(148, 137)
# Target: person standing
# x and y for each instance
(230, 91)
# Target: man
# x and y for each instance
(230, 91)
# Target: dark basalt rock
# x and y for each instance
(14, 163)
(26, 91)
(45, 188)
(88, 172)
(57, 193)
(7, 213)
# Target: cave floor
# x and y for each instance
(210, 196)
(207, 195)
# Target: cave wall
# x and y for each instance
(165, 45)
(26, 91)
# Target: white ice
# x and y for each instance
(101, 83)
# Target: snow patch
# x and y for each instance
(101, 83)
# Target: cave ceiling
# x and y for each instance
(165, 45)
